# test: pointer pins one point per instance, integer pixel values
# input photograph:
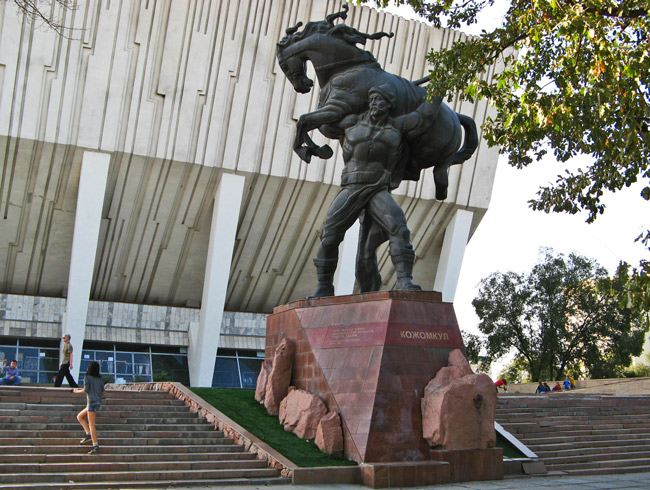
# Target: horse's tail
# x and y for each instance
(471, 140)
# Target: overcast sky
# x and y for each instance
(510, 235)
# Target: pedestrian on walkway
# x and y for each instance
(94, 389)
(66, 364)
(572, 382)
(10, 374)
(503, 384)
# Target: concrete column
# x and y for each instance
(90, 201)
(344, 277)
(204, 335)
(453, 251)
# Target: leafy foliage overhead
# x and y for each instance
(572, 78)
(575, 80)
(562, 316)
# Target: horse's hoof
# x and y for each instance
(324, 152)
(304, 153)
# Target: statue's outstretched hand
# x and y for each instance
(305, 152)
(324, 152)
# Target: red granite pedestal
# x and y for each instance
(369, 357)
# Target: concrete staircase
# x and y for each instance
(147, 439)
(581, 434)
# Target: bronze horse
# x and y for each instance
(346, 74)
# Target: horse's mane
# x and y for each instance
(348, 34)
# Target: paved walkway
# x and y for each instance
(630, 481)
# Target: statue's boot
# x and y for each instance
(404, 266)
(325, 269)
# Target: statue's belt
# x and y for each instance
(362, 177)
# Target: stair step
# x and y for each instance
(106, 416)
(147, 484)
(609, 471)
(536, 441)
(125, 432)
(112, 476)
(589, 444)
(604, 456)
(130, 456)
(34, 409)
(555, 452)
(614, 463)
(90, 464)
(128, 441)
(185, 426)
(123, 449)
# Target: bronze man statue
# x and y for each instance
(394, 139)
(375, 151)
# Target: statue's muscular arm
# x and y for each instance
(348, 121)
(415, 123)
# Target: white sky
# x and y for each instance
(510, 235)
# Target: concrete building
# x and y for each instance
(151, 204)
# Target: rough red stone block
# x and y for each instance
(300, 412)
(260, 388)
(329, 435)
(279, 377)
(459, 407)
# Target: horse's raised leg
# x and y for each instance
(303, 145)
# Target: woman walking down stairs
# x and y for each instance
(149, 439)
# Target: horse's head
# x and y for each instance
(324, 44)
(292, 60)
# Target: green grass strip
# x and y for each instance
(509, 451)
(240, 406)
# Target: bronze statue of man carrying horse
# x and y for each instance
(380, 150)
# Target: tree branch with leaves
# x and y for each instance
(575, 81)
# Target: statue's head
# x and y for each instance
(385, 90)
(381, 99)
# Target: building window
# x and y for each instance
(37, 364)
(236, 368)
(122, 365)
(174, 365)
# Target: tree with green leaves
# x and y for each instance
(575, 81)
(563, 316)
